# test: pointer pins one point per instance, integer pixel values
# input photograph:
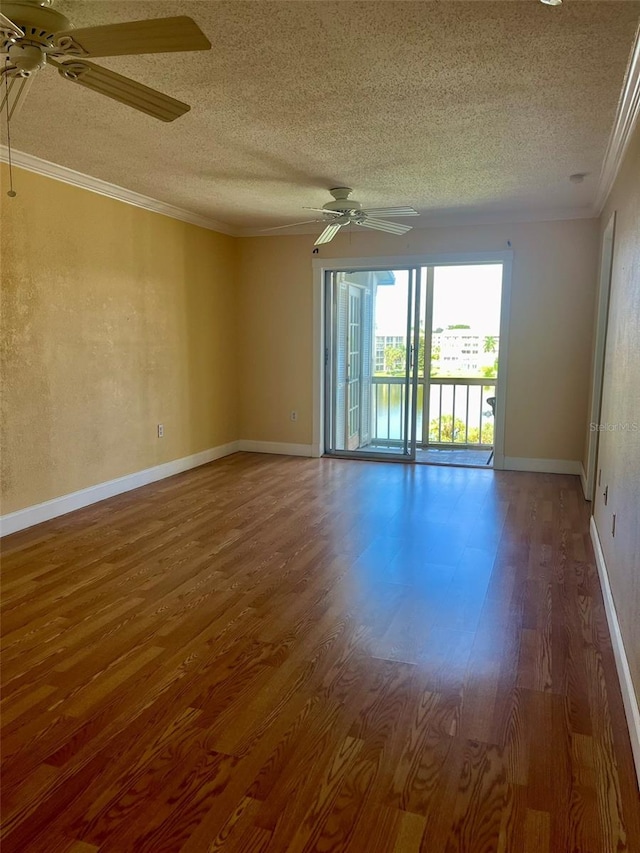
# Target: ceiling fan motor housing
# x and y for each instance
(342, 203)
(38, 21)
(27, 58)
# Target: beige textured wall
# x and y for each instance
(114, 319)
(553, 287)
(619, 450)
(276, 348)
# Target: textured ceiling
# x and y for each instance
(447, 106)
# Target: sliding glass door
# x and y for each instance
(462, 313)
(371, 362)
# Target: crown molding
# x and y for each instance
(505, 217)
(432, 219)
(96, 185)
(623, 126)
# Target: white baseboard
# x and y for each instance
(27, 517)
(583, 481)
(622, 664)
(542, 466)
(279, 447)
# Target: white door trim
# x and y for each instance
(501, 385)
(322, 265)
(602, 319)
(629, 700)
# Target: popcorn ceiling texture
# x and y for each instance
(444, 106)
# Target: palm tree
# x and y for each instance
(490, 343)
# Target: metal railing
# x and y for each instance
(387, 409)
(456, 411)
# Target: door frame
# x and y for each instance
(597, 376)
(323, 397)
(321, 266)
(349, 380)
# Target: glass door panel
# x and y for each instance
(371, 364)
(461, 311)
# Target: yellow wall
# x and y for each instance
(276, 351)
(619, 450)
(553, 285)
(114, 319)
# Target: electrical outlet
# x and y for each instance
(160, 430)
(293, 415)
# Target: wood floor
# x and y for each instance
(279, 654)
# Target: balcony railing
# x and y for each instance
(455, 412)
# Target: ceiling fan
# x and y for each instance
(33, 35)
(347, 211)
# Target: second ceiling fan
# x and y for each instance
(347, 211)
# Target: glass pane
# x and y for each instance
(371, 359)
(463, 369)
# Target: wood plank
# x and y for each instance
(257, 655)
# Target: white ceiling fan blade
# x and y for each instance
(8, 28)
(291, 225)
(328, 234)
(158, 35)
(382, 225)
(391, 211)
(322, 210)
(122, 89)
(15, 90)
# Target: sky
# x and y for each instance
(462, 294)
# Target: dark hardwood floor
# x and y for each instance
(279, 654)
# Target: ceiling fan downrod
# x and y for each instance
(11, 192)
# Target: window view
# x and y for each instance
(465, 341)
(454, 351)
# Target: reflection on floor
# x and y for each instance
(454, 456)
(272, 653)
